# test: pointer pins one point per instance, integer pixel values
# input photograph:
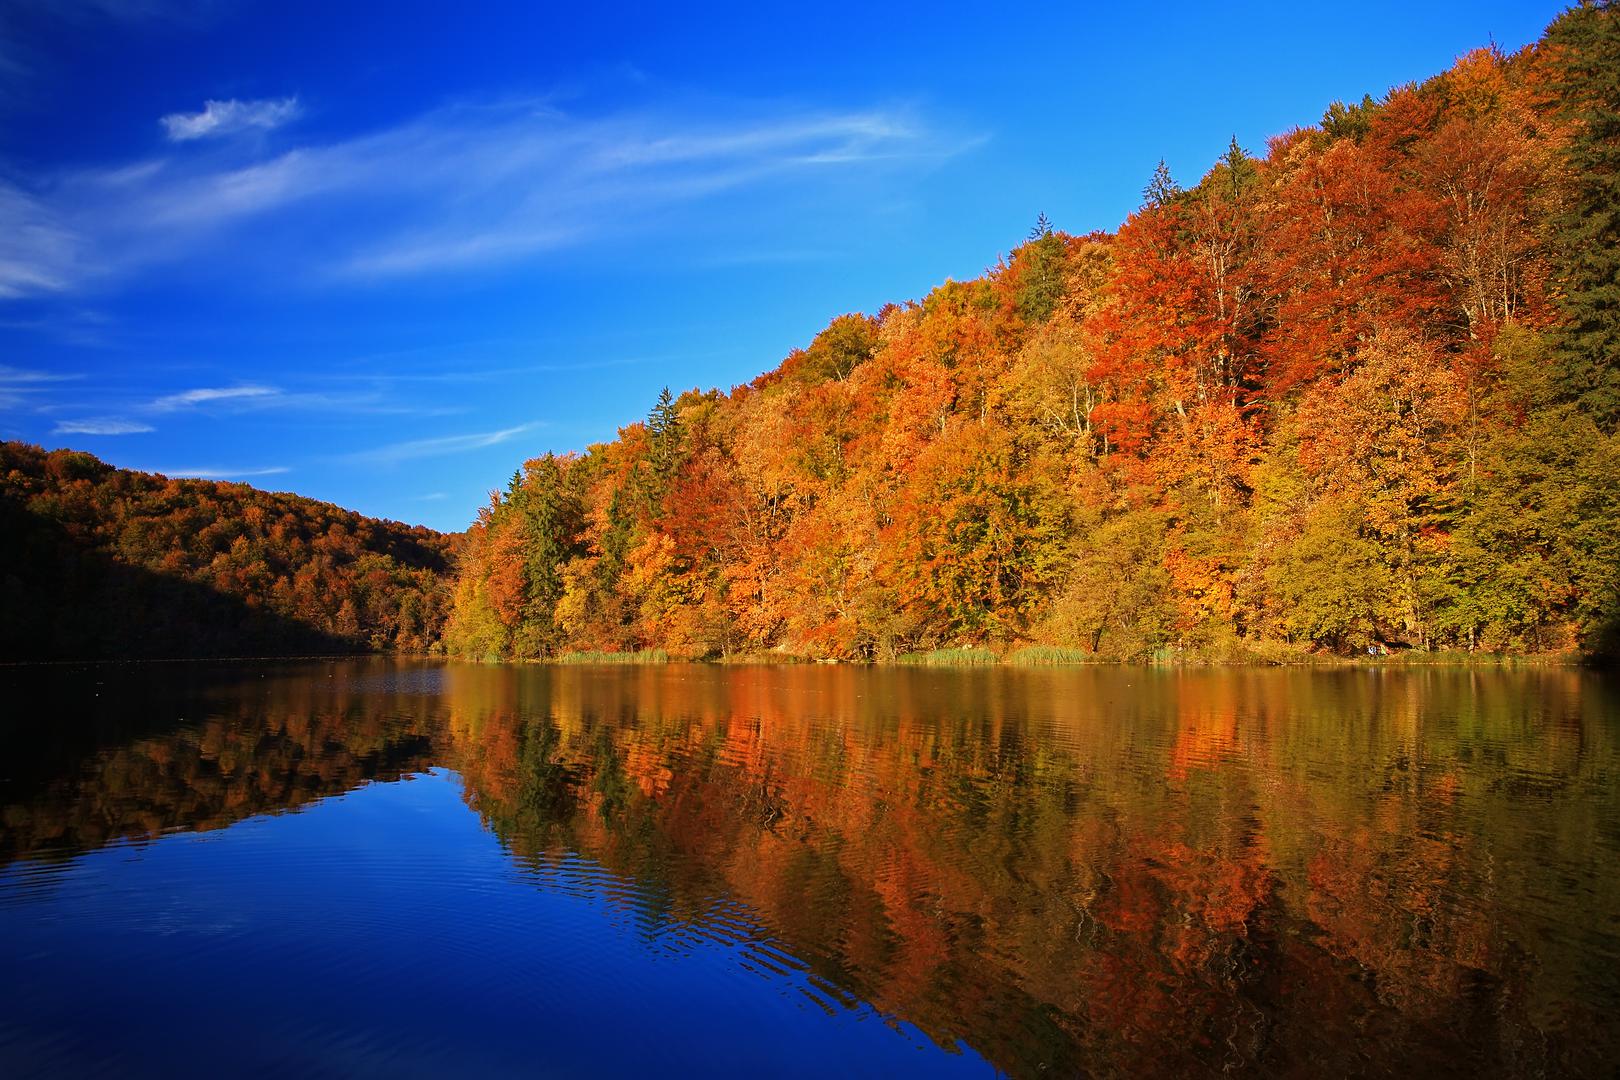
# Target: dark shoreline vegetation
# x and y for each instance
(1359, 393)
(1034, 657)
(104, 563)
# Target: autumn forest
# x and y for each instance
(104, 563)
(1360, 391)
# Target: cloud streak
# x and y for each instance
(458, 188)
(221, 118)
(101, 425)
(23, 388)
(219, 473)
(443, 446)
(208, 394)
(14, 378)
(40, 252)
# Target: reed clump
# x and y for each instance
(641, 656)
(949, 658)
(1050, 656)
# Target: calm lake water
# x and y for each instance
(409, 868)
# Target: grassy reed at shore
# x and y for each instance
(1035, 656)
(949, 658)
(1050, 656)
(643, 656)
(762, 656)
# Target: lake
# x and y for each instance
(378, 866)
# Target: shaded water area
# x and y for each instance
(386, 866)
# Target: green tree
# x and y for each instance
(1331, 584)
(1351, 122)
(1039, 265)
(551, 517)
(1538, 553)
(1115, 601)
(1585, 46)
(1161, 189)
(665, 428)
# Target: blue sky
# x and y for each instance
(381, 256)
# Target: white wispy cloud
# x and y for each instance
(220, 473)
(441, 446)
(219, 118)
(39, 250)
(121, 411)
(206, 394)
(15, 377)
(25, 388)
(461, 187)
(256, 398)
(101, 425)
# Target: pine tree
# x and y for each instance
(1040, 264)
(664, 425)
(1241, 173)
(1162, 188)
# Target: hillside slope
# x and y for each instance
(1360, 392)
(98, 562)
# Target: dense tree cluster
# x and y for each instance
(106, 562)
(1357, 393)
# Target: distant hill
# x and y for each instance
(99, 562)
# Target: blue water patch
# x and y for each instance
(386, 931)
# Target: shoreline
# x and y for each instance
(944, 658)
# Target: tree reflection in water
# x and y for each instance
(1108, 870)
(1103, 871)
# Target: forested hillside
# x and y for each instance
(104, 562)
(1360, 390)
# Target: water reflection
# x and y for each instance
(1098, 871)
(106, 753)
